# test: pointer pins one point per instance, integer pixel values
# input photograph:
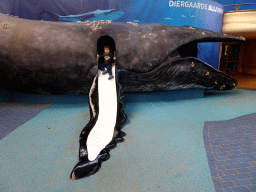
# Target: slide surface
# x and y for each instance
(102, 133)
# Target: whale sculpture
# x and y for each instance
(60, 58)
(53, 58)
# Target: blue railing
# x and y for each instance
(241, 6)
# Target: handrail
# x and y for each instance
(240, 4)
(237, 6)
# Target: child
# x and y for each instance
(109, 58)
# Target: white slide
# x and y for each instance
(102, 132)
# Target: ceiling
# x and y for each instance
(240, 23)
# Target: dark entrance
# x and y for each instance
(230, 57)
(238, 61)
(105, 40)
(102, 41)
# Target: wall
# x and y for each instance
(248, 56)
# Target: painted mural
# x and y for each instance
(205, 14)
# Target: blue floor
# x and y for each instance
(163, 150)
(231, 151)
(12, 115)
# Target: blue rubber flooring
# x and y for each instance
(164, 147)
(231, 152)
(13, 115)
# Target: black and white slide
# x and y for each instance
(102, 133)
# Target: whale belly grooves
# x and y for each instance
(183, 73)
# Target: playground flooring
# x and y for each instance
(201, 144)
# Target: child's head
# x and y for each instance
(106, 49)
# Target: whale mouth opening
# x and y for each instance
(183, 50)
(187, 50)
(105, 40)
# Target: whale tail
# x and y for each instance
(52, 15)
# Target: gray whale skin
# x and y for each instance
(60, 58)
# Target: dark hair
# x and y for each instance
(107, 46)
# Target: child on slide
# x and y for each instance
(109, 58)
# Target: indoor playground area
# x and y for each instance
(107, 96)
